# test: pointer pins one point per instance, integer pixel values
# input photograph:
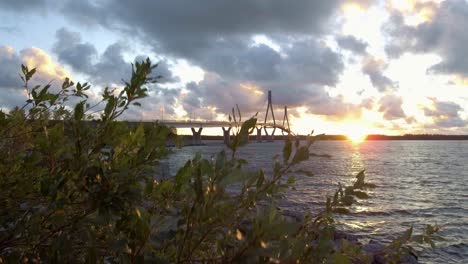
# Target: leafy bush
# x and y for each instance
(79, 186)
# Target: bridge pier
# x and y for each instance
(227, 135)
(259, 134)
(196, 138)
(270, 138)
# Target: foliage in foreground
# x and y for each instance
(75, 190)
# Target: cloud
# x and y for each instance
(333, 108)
(185, 28)
(445, 114)
(104, 69)
(443, 34)
(352, 44)
(11, 86)
(22, 5)
(111, 67)
(8, 29)
(390, 106)
(214, 91)
(70, 50)
(48, 70)
(242, 74)
(10, 69)
(160, 101)
(217, 36)
(374, 68)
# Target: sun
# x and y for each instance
(356, 137)
(355, 132)
(351, 10)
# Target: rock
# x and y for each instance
(293, 215)
(373, 247)
(342, 235)
(411, 258)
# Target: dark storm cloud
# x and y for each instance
(11, 91)
(445, 114)
(302, 61)
(162, 70)
(445, 34)
(214, 91)
(352, 44)
(216, 35)
(187, 27)
(10, 63)
(390, 106)
(112, 66)
(109, 67)
(22, 5)
(70, 50)
(296, 77)
(374, 69)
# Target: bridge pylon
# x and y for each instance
(227, 135)
(196, 138)
(286, 121)
(271, 137)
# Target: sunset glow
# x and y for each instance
(355, 132)
(351, 10)
(356, 137)
(354, 68)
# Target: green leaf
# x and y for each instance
(245, 129)
(198, 184)
(360, 194)
(302, 154)
(360, 180)
(341, 210)
(236, 175)
(347, 200)
(261, 179)
(79, 111)
(183, 174)
(220, 160)
(406, 236)
(341, 259)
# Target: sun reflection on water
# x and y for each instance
(375, 225)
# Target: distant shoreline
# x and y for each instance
(369, 137)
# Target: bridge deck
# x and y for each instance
(201, 123)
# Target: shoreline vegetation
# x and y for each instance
(343, 137)
(337, 137)
(83, 192)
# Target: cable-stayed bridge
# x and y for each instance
(197, 126)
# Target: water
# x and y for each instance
(418, 183)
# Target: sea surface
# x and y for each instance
(418, 183)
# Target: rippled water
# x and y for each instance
(418, 183)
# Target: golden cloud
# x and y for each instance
(47, 69)
(415, 11)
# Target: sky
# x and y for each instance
(341, 66)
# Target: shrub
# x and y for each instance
(79, 186)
